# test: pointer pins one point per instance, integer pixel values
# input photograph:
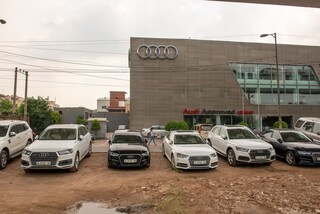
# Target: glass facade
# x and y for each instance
(298, 84)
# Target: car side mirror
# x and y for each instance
(12, 134)
(110, 142)
(81, 137)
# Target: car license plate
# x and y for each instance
(130, 160)
(200, 162)
(261, 157)
(43, 163)
(318, 159)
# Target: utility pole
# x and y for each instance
(25, 97)
(15, 90)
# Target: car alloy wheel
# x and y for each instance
(4, 157)
(89, 150)
(290, 158)
(231, 158)
(76, 164)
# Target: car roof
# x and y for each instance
(65, 126)
(313, 119)
(233, 126)
(181, 132)
(127, 132)
(284, 130)
(8, 122)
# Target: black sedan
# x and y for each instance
(293, 146)
(128, 149)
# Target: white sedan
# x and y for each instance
(187, 150)
(240, 144)
(58, 147)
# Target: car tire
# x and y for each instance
(173, 162)
(29, 142)
(148, 164)
(290, 158)
(4, 158)
(109, 165)
(231, 157)
(76, 164)
(89, 150)
(163, 152)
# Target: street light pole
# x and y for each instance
(274, 35)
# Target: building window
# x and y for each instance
(298, 84)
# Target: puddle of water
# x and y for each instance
(91, 207)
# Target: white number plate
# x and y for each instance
(45, 163)
(199, 162)
(130, 160)
(318, 158)
(261, 157)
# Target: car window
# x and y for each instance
(58, 134)
(308, 126)
(3, 130)
(20, 128)
(216, 130)
(206, 127)
(15, 129)
(223, 133)
(187, 139)
(299, 123)
(127, 139)
(267, 134)
(241, 134)
(295, 137)
(276, 135)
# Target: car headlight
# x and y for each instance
(113, 154)
(145, 154)
(213, 155)
(26, 152)
(65, 152)
(241, 149)
(304, 153)
(179, 155)
(271, 149)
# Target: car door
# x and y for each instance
(214, 136)
(316, 133)
(84, 143)
(14, 141)
(223, 140)
(278, 144)
(166, 144)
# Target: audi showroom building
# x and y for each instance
(219, 82)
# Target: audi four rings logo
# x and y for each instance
(44, 154)
(157, 51)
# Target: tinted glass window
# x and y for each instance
(299, 123)
(217, 130)
(206, 127)
(240, 134)
(316, 128)
(267, 134)
(58, 134)
(14, 129)
(308, 126)
(3, 130)
(188, 139)
(127, 139)
(21, 128)
(294, 137)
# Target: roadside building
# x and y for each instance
(221, 82)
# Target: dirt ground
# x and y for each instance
(247, 189)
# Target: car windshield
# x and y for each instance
(3, 130)
(126, 139)
(295, 137)
(58, 134)
(206, 127)
(187, 139)
(240, 134)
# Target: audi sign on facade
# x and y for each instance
(157, 51)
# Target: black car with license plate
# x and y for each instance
(128, 149)
(293, 146)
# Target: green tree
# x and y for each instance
(56, 117)
(81, 120)
(5, 106)
(39, 113)
(176, 125)
(95, 127)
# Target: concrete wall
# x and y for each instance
(200, 77)
(70, 114)
(115, 119)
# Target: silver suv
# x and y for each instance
(310, 126)
(14, 136)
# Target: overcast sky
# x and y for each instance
(76, 51)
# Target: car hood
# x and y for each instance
(197, 149)
(51, 145)
(303, 146)
(251, 143)
(126, 146)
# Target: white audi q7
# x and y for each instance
(58, 147)
(240, 144)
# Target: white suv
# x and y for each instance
(240, 144)
(59, 146)
(310, 126)
(14, 136)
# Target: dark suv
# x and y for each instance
(128, 149)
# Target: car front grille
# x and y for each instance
(195, 160)
(44, 156)
(259, 152)
(130, 159)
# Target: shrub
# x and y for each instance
(176, 125)
(243, 124)
(284, 125)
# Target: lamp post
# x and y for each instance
(274, 35)
(2, 21)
